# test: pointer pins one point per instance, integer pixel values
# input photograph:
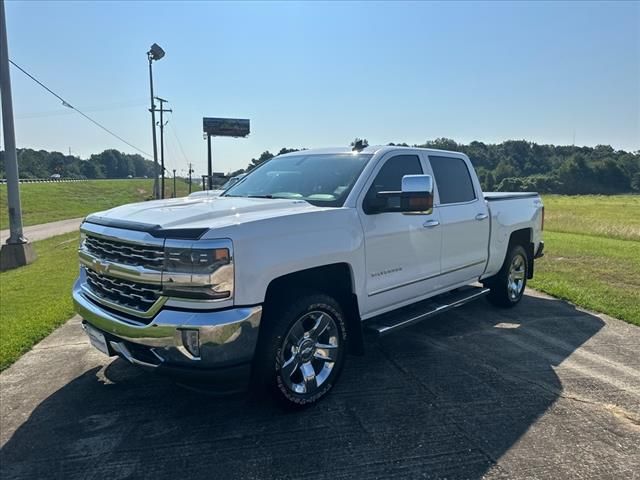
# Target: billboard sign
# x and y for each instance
(225, 127)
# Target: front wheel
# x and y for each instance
(507, 287)
(302, 350)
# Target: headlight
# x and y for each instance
(199, 270)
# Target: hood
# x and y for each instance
(197, 212)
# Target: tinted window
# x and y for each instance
(452, 179)
(389, 178)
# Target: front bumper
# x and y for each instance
(540, 251)
(227, 338)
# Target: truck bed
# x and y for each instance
(496, 196)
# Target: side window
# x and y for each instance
(389, 178)
(452, 179)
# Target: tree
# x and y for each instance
(504, 170)
(363, 141)
(264, 156)
(489, 182)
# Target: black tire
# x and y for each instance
(505, 291)
(278, 354)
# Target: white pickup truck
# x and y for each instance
(275, 281)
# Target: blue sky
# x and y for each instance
(320, 74)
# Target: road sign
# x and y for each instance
(225, 127)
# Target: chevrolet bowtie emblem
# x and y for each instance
(100, 267)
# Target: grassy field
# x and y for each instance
(616, 216)
(37, 298)
(48, 202)
(592, 253)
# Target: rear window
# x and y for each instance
(452, 179)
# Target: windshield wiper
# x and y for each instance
(250, 196)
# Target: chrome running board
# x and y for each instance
(412, 314)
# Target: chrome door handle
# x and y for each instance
(481, 216)
(431, 223)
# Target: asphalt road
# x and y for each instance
(541, 391)
(46, 230)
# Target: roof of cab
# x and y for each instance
(370, 149)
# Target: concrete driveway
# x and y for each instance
(542, 391)
(46, 230)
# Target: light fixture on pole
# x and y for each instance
(154, 53)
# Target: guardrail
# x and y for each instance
(63, 180)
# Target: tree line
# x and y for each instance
(108, 164)
(521, 166)
(513, 165)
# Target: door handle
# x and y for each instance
(481, 216)
(431, 223)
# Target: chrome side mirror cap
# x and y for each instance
(417, 184)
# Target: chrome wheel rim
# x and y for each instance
(309, 352)
(517, 272)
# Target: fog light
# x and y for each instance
(191, 341)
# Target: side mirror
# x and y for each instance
(416, 196)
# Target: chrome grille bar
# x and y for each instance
(131, 295)
(147, 256)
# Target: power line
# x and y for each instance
(53, 113)
(175, 134)
(67, 104)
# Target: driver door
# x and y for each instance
(402, 250)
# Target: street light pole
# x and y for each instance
(153, 129)
(154, 53)
(17, 251)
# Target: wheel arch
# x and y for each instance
(524, 237)
(335, 280)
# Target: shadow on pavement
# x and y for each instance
(445, 398)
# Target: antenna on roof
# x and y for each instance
(359, 144)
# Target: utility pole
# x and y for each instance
(174, 183)
(17, 251)
(190, 172)
(162, 124)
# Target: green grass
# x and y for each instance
(48, 202)
(614, 216)
(601, 274)
(592, 253)
(35, 299)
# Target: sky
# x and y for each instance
(319, 74)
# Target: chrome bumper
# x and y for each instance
(227, 338)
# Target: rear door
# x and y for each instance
(402, 251)
(464, 219)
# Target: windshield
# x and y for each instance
(232, 181)
(322, 180)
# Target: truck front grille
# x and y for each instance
(146, 256)
(139, 297)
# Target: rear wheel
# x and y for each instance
(302, 350)
(507, 287)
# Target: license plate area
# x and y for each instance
(97, 339)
